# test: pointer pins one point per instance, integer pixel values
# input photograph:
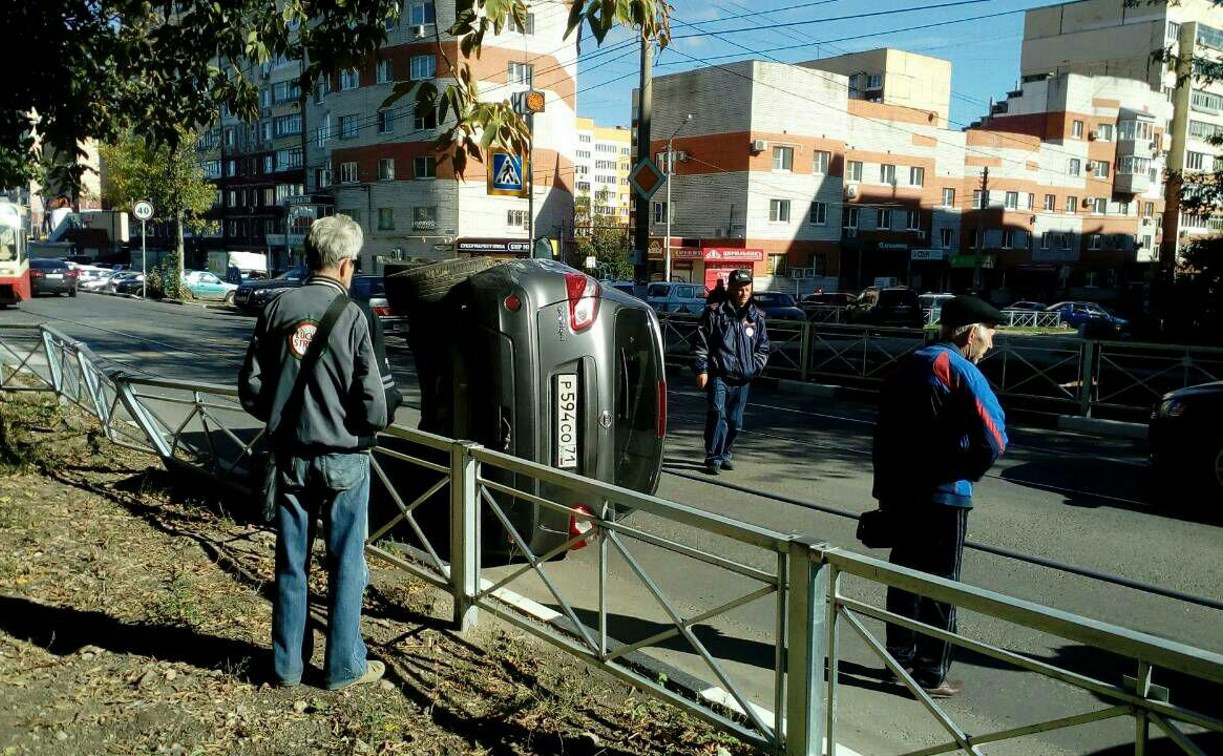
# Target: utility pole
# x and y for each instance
(666, 245)
(645, 103)
(976, 271)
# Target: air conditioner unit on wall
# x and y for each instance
(418, 31)
(851, 191)
(1087, 202)
(759, 145)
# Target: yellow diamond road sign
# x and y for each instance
(646, 178)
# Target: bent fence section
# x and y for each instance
(433, 493)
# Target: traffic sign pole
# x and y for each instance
(144, 281)
(143, 210)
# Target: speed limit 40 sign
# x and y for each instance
(142, 210)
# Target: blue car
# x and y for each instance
(1088, 315)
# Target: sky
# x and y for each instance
(983, 48)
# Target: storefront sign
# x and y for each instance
(893, 245)
(493, 247)
(970, 261)
(928, 254)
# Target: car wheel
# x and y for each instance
(229, 298)
(430, 283)
(72, 292)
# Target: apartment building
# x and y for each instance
(602, 163)
(1109, 38)
(895, 77)
(814, 187)
(378, 162)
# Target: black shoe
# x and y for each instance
(711, 468)
(728, 465)
(888, 676)
(945, 689)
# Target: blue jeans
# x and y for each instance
(723, 418)
(335, 487)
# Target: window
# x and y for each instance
(521, 73)
(783, 158)
(1093, 241)
(348, 127)
(1195, 161)
(1100, 168)
(386, 121)
(424, 218)
(584, 138)
(286, 91)
(874, 81)
(887, 174)
(944, 238)
(1076, 129)
(1123, 208)
(516, 218)
(1148, 209)
(820, 160)
(1206, 102)
(849, 219)
(350, 78)
(386, 219)
(286, 159)
(660, 212)
(1099, 206)
(287, 125)
(779, 211)
(426, 121)
(855, 170)
(1203, 131)
(424, 167)
(1045, 239)
(917, 176)
(819, 214)
(1104, 132)
(1075, 167)
(421, 14)
(265, 98)
(1174, 30)
(384, 72)
(1050, 202)
(386, 169)
(883, 219)
(1008, 238)
(322, 178)
(948, 197)
(979, 199)
(1072, 203)
(321, 90)
(1012, 201)
(528, 29)
(348, 173)
(423, 67)
(322, 134)
(913, 220)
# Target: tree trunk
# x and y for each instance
(178, 242)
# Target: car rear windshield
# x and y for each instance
(893, 297)
(365, 288)
(638, 377)
(658, 290)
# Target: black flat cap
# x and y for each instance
(739, 277)
(965, 310)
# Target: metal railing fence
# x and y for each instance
(450, 487)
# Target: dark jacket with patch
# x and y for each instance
(731, 346)
(350, 395)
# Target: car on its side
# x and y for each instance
(1186, 441)
(893, 306)
(205, 284)
(553, 368)
(253, 294)
(50, 276)
(676, 296)
(372, 290)
(777, 305)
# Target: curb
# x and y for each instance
(1097, 427)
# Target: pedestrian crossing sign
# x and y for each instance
(507, 175)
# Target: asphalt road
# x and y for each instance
(1071, 498)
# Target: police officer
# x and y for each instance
(321, 431)
(732, 348)
(940, 428)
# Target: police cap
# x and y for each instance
(964, 310)
(739, 277)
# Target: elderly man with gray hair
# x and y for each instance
(939, 428)
(316, 373)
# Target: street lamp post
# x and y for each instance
(666, 247)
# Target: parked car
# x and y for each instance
(895, 306)
(1092, 320)
(1186, 440)
(628, 287)
(1024, 305)
(829, 299)
(206, 285)
(553, 367)
(372, 291)
(131, 283)
(778, 305)
(676, 296)
(115, 278)
(92, 278)
(252, 295)
(49, 276)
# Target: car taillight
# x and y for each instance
(382, 311)
(72, 274)
(37, 274)
(583, 292)
(662, 409)
(580, 526)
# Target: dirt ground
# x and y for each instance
(135, 616)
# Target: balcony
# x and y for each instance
(1131, 183)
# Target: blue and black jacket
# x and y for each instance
(729, 345)
(940, 428)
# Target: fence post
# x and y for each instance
(54, 367)
(90, 376)
(1087, 377)
(464, 534)
(140, 414)
(804, 351)
(806, 646)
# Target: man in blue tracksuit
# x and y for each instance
(940, 428)
(732, 348)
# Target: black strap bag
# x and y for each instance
(878, 529)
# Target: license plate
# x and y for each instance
(53, 276)
(567, 420)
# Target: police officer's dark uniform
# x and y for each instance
(732, 348)
(940, 427)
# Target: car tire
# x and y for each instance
(72, 292)
(429, 284)
(229, 298)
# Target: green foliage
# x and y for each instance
(1195, 304)
(166, 281)
(609, 245)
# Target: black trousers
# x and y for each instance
(934, 543)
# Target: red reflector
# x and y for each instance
(579, 526)
(382, 311)
(662, 409)
(513, 303)
(583, 294)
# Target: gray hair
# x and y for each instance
(952, 333)
(332, 240)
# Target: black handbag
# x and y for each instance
(878, 529)
(292, 407)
